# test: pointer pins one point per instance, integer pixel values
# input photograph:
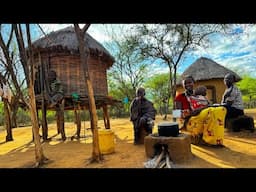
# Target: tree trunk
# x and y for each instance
(96, 154)
(44, 121)
(40, 158)
(7, 121)
(84, 50)
(14, 110)
(30, 67)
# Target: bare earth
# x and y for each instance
(239, 150)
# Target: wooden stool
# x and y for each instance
(179, 147)
(241, 122)
(142, 134)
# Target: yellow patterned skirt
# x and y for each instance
(208, 125)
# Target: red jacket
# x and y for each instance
(184, 102)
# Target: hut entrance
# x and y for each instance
(211, 94)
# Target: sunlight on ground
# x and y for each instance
(211, 157)
(239, 150)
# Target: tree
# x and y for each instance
(119, 109)
(158, 88)
(130, 69)
(11, 76)
(28, 67)
(170, 43)
(84, 50)
(247, 87)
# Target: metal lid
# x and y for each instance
(167, 123)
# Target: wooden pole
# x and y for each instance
(43, 107)
(106, 117)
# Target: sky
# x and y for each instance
(233, 52)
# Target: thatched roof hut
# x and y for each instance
(58, 52)
(66, 40)
(210, 74)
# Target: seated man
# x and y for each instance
(56, 89)
(142, 114)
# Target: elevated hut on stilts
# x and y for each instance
(58, 54)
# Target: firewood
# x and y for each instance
(150, 163)
(167, 159)
(162, 164)
(160, 157)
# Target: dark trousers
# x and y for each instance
(233, 112)
(138, 125)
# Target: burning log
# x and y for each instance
(160, 161)
(162, 164)
(160, 157)
(151, 163)
(167, 159)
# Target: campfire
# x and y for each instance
(167, 147)
(161, 159)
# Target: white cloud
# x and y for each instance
(230, 51)
(98, 32)
(53, 27)
(234, 52)
(95, 30)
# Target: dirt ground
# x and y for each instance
(239, 150)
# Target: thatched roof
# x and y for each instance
(66, 39)
(205, 69)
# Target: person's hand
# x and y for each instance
(185, 113)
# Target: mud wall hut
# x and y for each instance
(210, 74)
(58, 52)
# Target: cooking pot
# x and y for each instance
(168, 129)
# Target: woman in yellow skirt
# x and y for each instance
(208, 126)
(204, 123)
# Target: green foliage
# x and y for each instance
(248, 88)
(157, 91)
(157, 87)
(23, 118)
(130, 68)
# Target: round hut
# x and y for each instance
(57, 56)
(210, 74)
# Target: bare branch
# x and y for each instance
(85, 28)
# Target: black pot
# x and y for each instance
(168, 129)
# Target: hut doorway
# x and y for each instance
(211, 94)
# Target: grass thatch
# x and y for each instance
(205, 69)
(66, 39)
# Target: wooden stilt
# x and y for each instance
(44, 121)
(78, 120)
(106, 116)
(60, 119)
